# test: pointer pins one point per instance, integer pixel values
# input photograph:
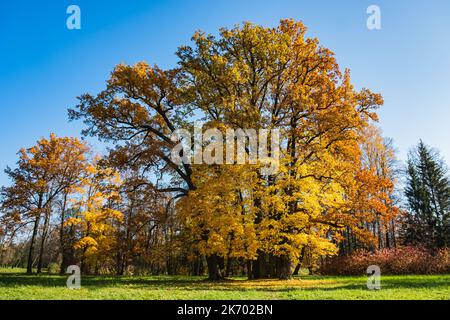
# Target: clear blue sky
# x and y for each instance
(44, 66)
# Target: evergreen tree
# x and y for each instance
(428, 196)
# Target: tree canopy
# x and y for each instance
(333, 187)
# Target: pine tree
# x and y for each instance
(428, 196)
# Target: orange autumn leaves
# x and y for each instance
(50, 175)
(96, 217)
(335, 168)
(257, 77)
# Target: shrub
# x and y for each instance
(403, 260)
(53, 268)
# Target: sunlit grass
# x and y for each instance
(14, 284)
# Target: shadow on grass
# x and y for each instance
(11, 280)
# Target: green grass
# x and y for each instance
(14, 284)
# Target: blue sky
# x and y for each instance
(44, 66)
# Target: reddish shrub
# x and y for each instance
(403, 260)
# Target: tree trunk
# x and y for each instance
(228, 267)
(249, 270)
(272, 267)
(44, 237)
(284, 268)
(68, 255)
(120, 264)
(213, 268)
(299, 265)
(256, 268)
(260, 267)
(62, 243)
(83, 265)
(33, 240)
(64, 263)
(394, 241)
(297, 269)
(196, 266)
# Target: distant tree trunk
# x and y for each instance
(62, 242)
(120, 264)
(374, 232)
(394, 240)
(228, 267)
(84, 267)
(44, 237)
(349, 241)
(379, 234)
(68, 256)
(249, 270)
(33, 240)
(297, 269)
(196, 266)
(387, 235)
(33, 237)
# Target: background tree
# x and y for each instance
(428, 195)
(375, 198)
(145, 213)
(43, 172)
(94, 221)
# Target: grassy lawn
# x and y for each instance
(14, 284)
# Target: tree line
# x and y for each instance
(335, 191)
